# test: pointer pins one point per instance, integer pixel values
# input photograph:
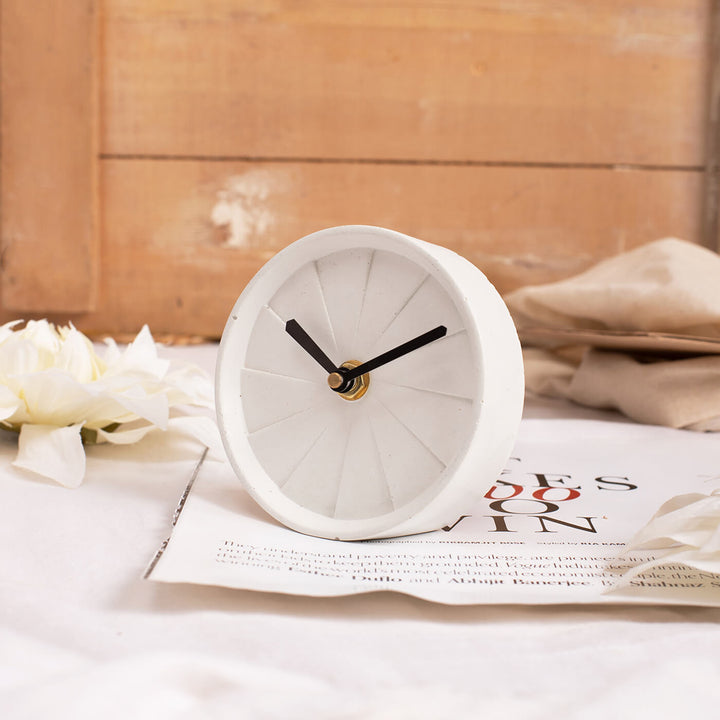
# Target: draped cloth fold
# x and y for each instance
(667, 286)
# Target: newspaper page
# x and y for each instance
(552, 529)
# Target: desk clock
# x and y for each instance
(368, 385)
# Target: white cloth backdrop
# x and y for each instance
(82, 635)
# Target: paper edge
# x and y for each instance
(176, 515)
(612, 599)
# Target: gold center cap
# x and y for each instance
(358, 387)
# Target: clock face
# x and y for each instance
(328, 450)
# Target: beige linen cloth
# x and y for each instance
(668, 286)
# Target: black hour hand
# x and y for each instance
(295, 331)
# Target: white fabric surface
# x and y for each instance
(82, 635)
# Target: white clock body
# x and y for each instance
(434, 427)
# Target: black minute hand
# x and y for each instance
(293, 329)
(395, 353)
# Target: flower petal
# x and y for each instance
(112, 351)
(150, 407)
(7, 331)
(686, 529)
(54, 397)
(189, 385)
(198, 427)
(9, 403)
(140, 357)
(55, 453)
(201, 428)
(123, 436)
(77, 356)
(18, 356)
(45, 337)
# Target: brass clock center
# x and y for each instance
(358, 387)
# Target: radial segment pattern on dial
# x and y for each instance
(352, 460)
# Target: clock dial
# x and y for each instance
(347, 306)
(359, 394)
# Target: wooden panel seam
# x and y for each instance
(401, 161)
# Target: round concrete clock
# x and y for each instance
(368, 385)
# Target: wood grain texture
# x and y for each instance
(49, 155)
(711, 205)
(533, 138)
(612, 82)
(198, 231)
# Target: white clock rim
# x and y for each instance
(412, 517)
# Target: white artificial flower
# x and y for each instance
(58, 393)
(686, 529)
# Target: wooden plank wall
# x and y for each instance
(49, 179)
(534, 138)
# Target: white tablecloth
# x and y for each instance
(82, 635)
